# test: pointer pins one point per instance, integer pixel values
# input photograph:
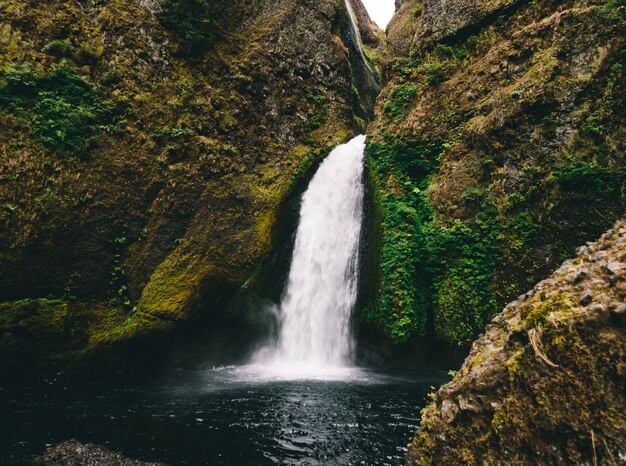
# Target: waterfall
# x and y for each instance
(357, 35)
(321, 291)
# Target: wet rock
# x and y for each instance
(74, 453)
(581, 275)
(598, 310)
(449, 410)
(614, 267)
(444, 19)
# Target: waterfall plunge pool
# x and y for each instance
(299, 401)
(226, 416)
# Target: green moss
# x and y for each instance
(317, 112)
(535, 314)
(66, 113)
(499, 421)
(400, 168)
(557, 345)
(175, 286)
(427, 268)
(513, 365)
(60, 48)
(401, 100)
(464, 258)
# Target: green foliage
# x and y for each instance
(428, 269)
(317, 98)
(413, 157)
(447, 53)
(590, 182)
(431, 68)
(464, 257)
(20, 77)
(317, 114)
(190, 20)
(176, 141)
(167, 133)
(402, 307)
(398, 300)
(433, 73)
(614, 10)
(399, 105)
(66, 112)
(60, 48)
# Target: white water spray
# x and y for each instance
(314, 334)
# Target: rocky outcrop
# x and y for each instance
(370, 32)
(147, 148)
(545, 383)
(497, 148)
(443, 19)
(72, 453)
(426, 22)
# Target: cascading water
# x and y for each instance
(314, 333)
(357, 35)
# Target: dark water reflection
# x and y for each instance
(221, 418)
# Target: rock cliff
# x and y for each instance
(147, 147)
(497, 149)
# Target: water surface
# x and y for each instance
(228, 416)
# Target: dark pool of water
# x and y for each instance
(221, 417)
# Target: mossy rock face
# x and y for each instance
(545, 382)
(497, 149)
(158, 193)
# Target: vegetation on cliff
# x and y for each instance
(497, 149)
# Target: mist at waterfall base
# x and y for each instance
(300, 400)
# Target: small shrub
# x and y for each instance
(614, 10)
(87, 55)
(190, 20)
(434, 73)
(590, 181)
(19, 77)
(402, 96)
